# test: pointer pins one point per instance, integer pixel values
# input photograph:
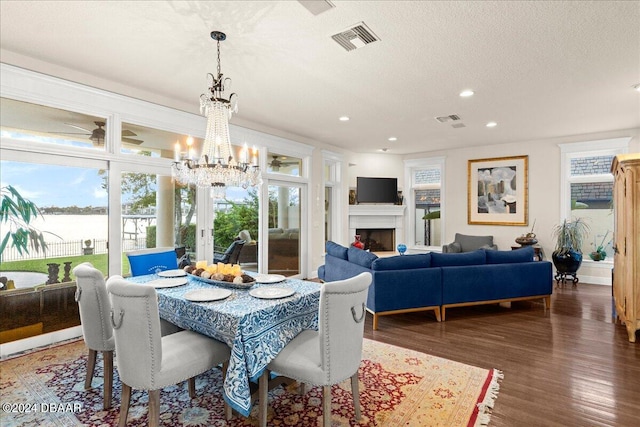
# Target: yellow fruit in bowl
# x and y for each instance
(201, 264)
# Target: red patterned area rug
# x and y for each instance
(398, 387)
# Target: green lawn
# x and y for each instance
(40, 265)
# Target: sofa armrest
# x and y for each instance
(452, 248)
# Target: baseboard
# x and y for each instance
(595, 280)
(17, 346)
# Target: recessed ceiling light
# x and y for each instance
(466, 93)
(392, 138)
(636, 87)
(492, 124)
(344, 119)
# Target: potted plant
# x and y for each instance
(600, 254)
(567, 257)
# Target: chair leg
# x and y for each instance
(228, 411)
(192, 387)
(154, 408)
(125, 399)
(355, 390)
(107, 359)
(302, 389)
(91, 366)
(263, 390)
(326, 405)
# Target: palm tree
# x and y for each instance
(18, 213)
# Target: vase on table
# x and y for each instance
(402, 248)
(357, 243)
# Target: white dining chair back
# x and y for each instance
(331, 354)
(341, 326)
(148, 361)
(94, 307)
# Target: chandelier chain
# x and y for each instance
(216, 166)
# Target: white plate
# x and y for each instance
(172, 273)
(269, 278)
(167, 283)
(201, 295)
(271, 292)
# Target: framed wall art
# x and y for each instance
(498, 191)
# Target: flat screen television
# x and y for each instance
(377, 190)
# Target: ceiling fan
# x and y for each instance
(97, 135)
(276, 163)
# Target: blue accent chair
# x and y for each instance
(150, 261)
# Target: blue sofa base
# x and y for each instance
(435, 282)
(376, 314)
(545, 298)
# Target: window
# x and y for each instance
(26, 122)
(332, 196)
(286, 165)
(424, 200)
(587, 189)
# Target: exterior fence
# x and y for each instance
(72, 248)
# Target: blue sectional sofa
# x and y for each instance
(437, 281)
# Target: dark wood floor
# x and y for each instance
(568, 366)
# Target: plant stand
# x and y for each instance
(562, 278)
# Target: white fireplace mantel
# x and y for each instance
(377, 216)
(376, 210)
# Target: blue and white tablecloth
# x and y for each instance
(255, 329)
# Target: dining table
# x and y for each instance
(255, 322)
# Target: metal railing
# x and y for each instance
(72, 248)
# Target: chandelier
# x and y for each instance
(216, 166)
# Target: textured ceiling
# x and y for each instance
(539, 69)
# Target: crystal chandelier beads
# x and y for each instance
(216, 166)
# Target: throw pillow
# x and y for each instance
(507, 257)
(477, 257)
(336, 250)
(360, 257)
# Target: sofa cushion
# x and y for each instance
(506, 257)
(360, 257)
(402, 262)
(336, 250)
(477, 257)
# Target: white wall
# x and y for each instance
(383, 165)
(544, 192)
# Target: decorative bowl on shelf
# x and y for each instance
(527, 239)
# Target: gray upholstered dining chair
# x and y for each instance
(148, 361)
(333, 352)
(94, 306)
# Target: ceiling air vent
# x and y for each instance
(317, 6)
(451, 118)
(355, 37)
(457, 125)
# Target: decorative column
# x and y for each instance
(67, 270)
(164, 212)
(54, 271)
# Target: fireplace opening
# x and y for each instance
(377, 239)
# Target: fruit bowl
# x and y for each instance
(244, 285)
